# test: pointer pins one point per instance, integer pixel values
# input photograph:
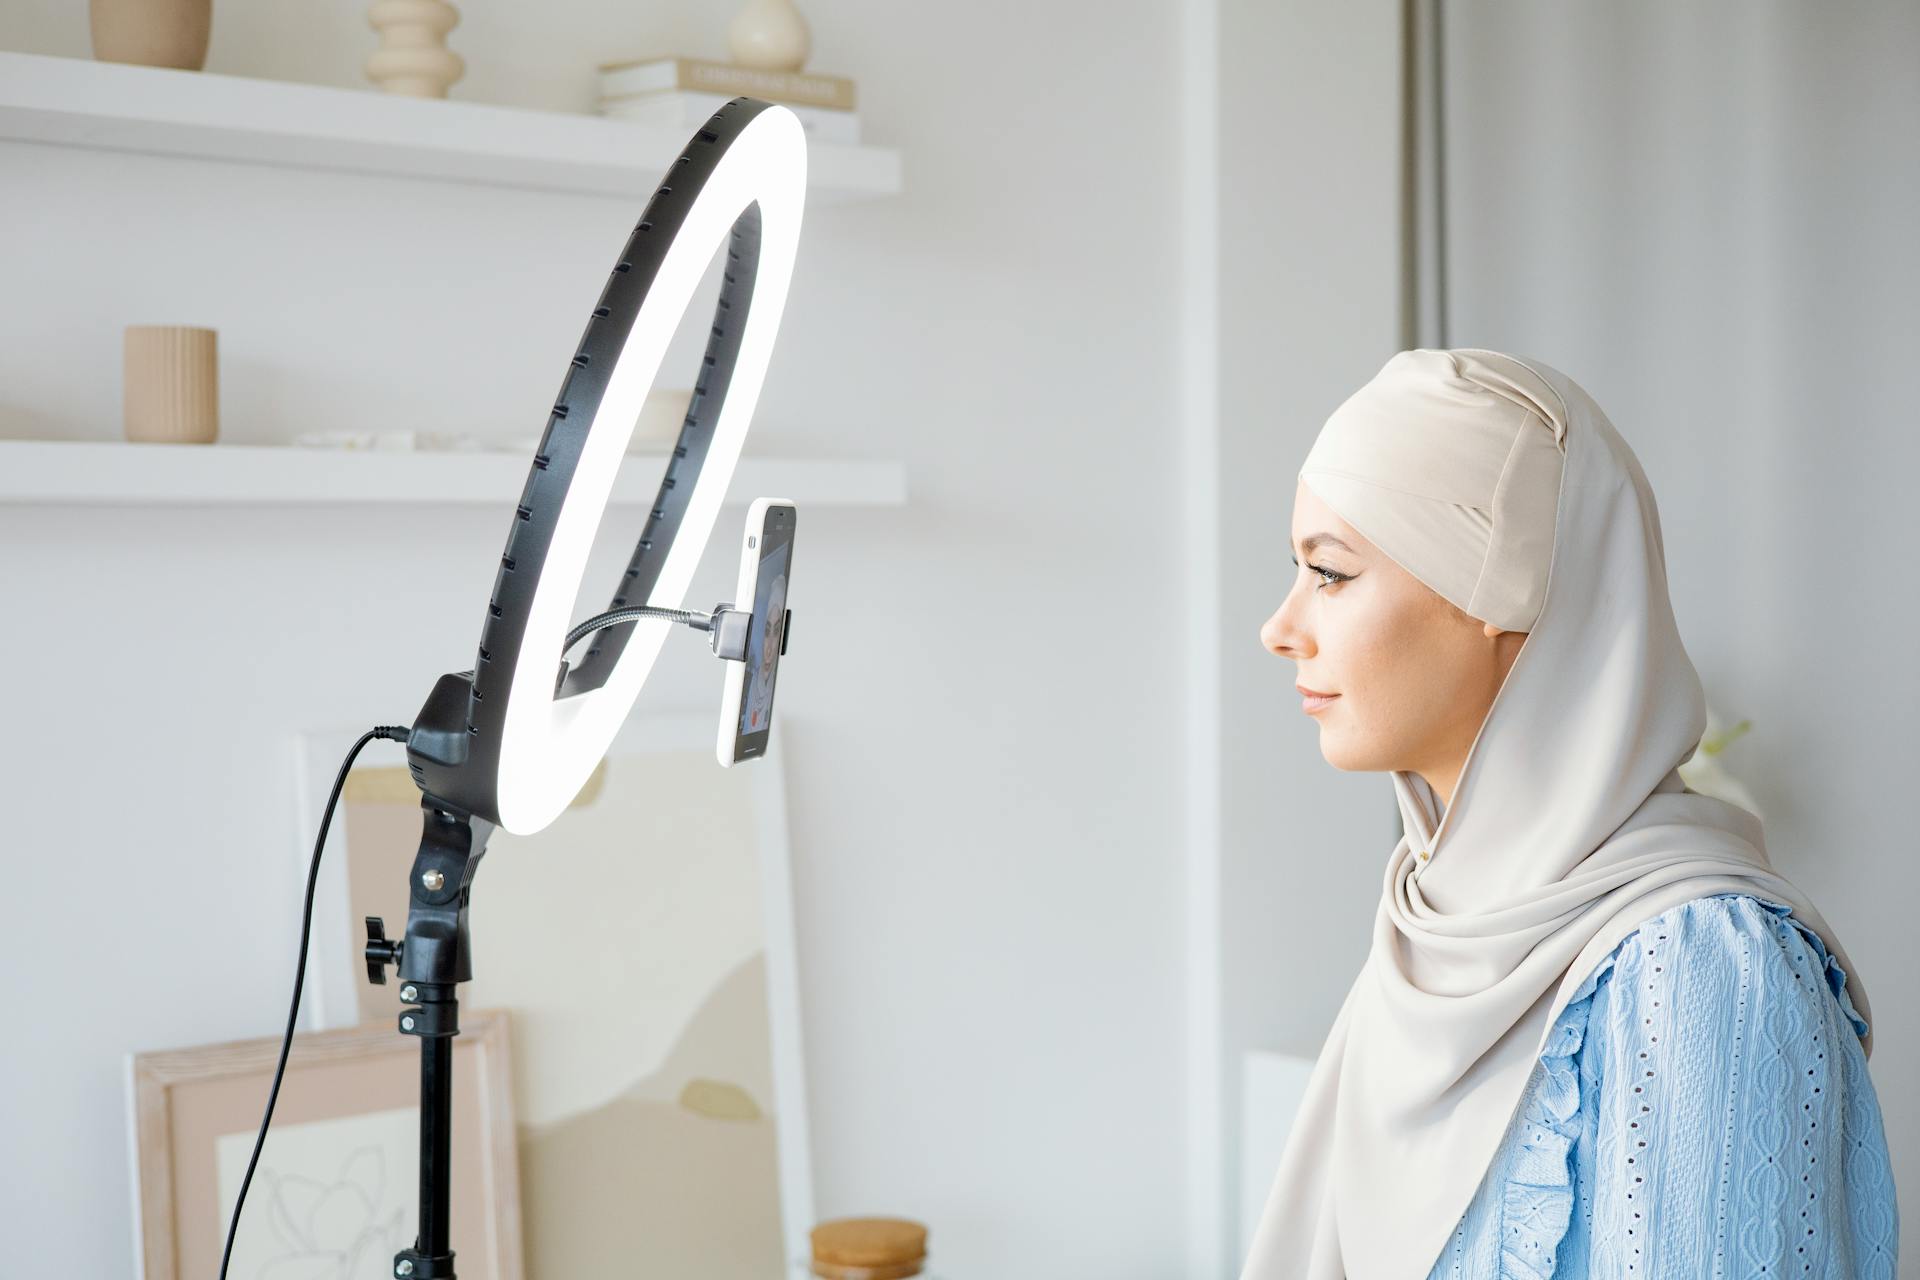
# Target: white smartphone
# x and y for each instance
(746, 690)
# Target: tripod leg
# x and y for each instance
(436, 1144)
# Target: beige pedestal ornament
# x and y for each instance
(413, 58)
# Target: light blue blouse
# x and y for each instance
(1701, 1108)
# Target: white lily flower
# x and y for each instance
(1706, 772)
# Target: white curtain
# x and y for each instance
(1709, 215)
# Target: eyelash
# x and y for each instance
(1330, 577)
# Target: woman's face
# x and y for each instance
(1412, 675)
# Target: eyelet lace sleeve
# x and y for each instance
(1754, 1147)
(1736, 1130)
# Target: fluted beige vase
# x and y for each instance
(153, 33)
(171, 390)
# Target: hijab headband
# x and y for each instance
(1449, 462)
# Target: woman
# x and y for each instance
(1596, 1033)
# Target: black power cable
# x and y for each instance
(395, 733)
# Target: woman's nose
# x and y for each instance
(1277, 636)
(1282, 635)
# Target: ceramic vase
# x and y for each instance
(769, 35)
(170, 393)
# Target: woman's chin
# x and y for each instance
(1339, 750)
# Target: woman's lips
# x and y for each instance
(1312, 700)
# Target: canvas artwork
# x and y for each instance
(351, 1208)
(335, 1193)
(643, 942)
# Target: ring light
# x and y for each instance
(510, 743)
(514, 740)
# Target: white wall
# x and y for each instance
(1695, 212)
(992, 976)
(1310, 301)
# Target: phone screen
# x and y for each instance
(766, 633)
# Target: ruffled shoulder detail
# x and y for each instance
(1537, 1200)
(1836, 975)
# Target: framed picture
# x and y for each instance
(336, 1192)
(644, 943)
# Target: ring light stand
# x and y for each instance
(509, 743)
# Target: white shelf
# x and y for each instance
(116, 473)
(158, 110)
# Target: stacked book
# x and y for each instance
(680, 93)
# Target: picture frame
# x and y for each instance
(336, 1188)
(638, 940)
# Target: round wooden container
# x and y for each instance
(869, 1249)
(155, 33)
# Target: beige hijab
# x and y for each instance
(1569, 825)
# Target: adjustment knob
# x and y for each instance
(380, 952)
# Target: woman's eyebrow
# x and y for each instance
(1314, 540)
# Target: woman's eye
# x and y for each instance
(1328, 577)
